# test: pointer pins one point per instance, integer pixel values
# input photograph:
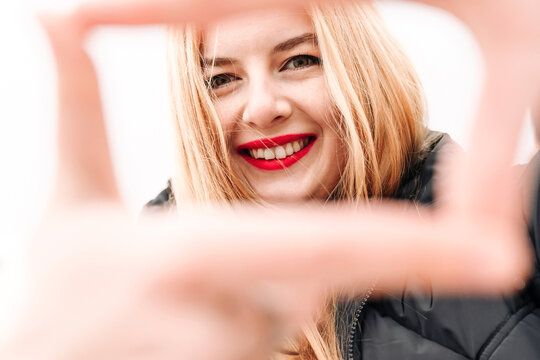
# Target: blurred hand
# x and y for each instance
(200, 287)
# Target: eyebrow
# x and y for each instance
(294, 42)
(281, 47)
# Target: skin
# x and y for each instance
(201, 276)
(263, 94)
(535, 114)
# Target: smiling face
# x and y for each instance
(272, 101)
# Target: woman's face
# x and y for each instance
(273, 103)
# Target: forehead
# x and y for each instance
(253, 31)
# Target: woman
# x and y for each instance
(264, 120)
(175, 289)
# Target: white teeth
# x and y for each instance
(269, 154)
(289, 149)
(280, 153)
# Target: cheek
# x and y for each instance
(227, 112)
(323, 111)
(313, 98)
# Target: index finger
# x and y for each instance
(143, 12)
(341, 247)
(84, 171)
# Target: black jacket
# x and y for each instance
(421, 326)
(424, 326)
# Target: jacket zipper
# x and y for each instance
(355, 326)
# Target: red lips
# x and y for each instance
(266, 143)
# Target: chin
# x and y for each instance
(296, 197)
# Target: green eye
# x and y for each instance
(220, 80)
(301, 61)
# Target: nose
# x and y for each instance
(266, 104)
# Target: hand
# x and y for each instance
(511, 52)
(105, 288)
(507, 31)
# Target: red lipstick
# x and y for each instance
(307, 141)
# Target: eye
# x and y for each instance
(301, 61)
(220, 80)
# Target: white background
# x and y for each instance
(131, 65)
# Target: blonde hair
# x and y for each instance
(380, 116)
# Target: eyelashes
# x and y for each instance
(294, 63)
(300, 61)
(220, 80)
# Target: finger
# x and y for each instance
(488, 185)
(139, 12)
(344, 249)
(85, 170)
(347, 248)
(483, 182)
